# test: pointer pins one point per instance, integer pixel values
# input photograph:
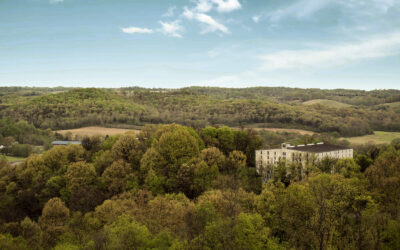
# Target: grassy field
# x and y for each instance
(378, 137)
(326, 102)
(14, 159)
(91, 131)
(288, 130)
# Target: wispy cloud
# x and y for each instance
(294, 59)
(210, 24)
(170, 12)
(299, 9)
(172, 29)
(56, 1)
(304, 9)
(256, 19)
(136, 30)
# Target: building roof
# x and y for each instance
(318, 148)
(65, 142)
(312, 148)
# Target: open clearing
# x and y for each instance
(287, 130)
(14, 159)
(92, 131)
(378, 137)
(326, 102)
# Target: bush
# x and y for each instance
(21, 150)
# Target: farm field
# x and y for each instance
(326, 102)
(92, 131)
(288, 130)
(378, 137)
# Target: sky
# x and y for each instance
(352, 44)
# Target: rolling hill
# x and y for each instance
(326, 102)
(199, 107)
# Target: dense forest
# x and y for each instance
(199, 107)
(20, 138)
(175, 187)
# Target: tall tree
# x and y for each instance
(53, 221)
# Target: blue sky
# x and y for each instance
(228, 43)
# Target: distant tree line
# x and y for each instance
(200, 107)
(19, 137)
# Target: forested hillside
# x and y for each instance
(173, 187)
(281, 94)
(199, 107)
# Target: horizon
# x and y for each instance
(193, 86)
(306, 44)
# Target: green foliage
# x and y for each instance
(21, 150)
(174, 147)
(160, 189)
(248, 232)
(125, 233)
(81, 185)
(78, 107)
(102, 160)
(384, 178)
(31, 232)
(125, 148)
(53, 221)
(201, 107)
(23, 132)
(392, 235)
(177, 147)
(9, 242)
(116, 177)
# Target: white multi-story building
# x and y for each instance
(266, 159)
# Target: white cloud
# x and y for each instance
(256, 19)
(203, 6)
(171, 29)
(56, 1)
(369, 49)
(170, 12)
(188, 13)
(221, 5)
(227, 5)
(211, 25)
(136, 30)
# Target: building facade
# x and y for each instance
(267, 159)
